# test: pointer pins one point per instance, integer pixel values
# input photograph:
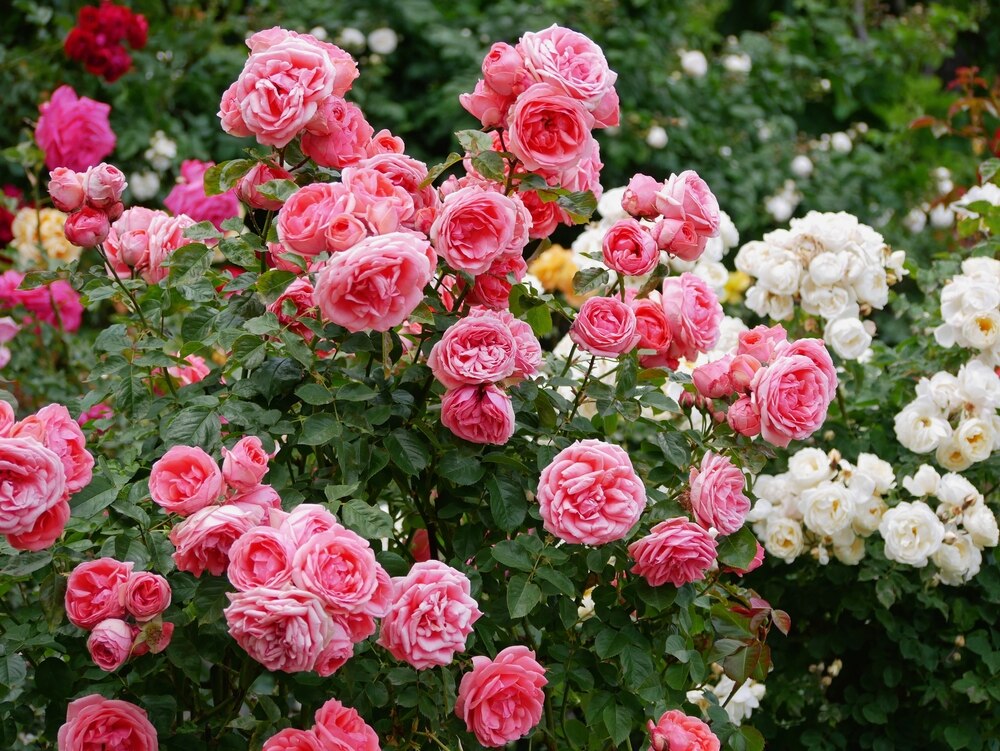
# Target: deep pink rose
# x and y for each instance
(675, 731)
(815, 350)
(545, 215)
(492, 289)
(74, 132)
(548, 130)
(7, 416)
(305, 521)
(66, 189)
(640, 196)
(527, 351)
(431, 616)
(651, 323)
(291, 739)
(32, 481)
(193, 370)
(694, 313)
(569, 61)
(477, 226)
(474, 350)
(45, 531)
(295, 304)
(103, 186)
(688, 198)
(95, 590)
(110, 644)
(203, 539)
(761, 341)
(340, 727)
(501, 700)
(188, 197)
(262, 557)
(55, 303)
(743, 417)
(717, 498)
(629, 248)
(93, 721)
(377, 283)
(676, 551)
(142, 239)
(87, 227)
(605, 326)
(260, 173)
(385, 142)
(791, 395)
(244, 466)
(55, 428)
(339, 135)
(713, 379)
(487, 105)
(147, 595)
(590, 494)
(420, 546)
(185, 480)
(339, 567)
(478, 414)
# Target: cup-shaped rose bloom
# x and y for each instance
(792, 396)
(912, 533)
(479, 414)
(605, 326)
(651, 323)
(694, 313)
(87, 227)
(501, 700)
(340, 648)
(338, 566)
(527, 350)
(55, 428)
(713, 379)
(103, 186)
(639, 199)
(95, 591)
(590, 494)
(262, 557)
(304, 218)
(244, 466)
(247, 186)
(408, 173)
(146, 595)
(66, 189)
(282, 629)
(485, 104)
(306, 521)
(717, 497)
(548, 130)
(474, 350)
(503, 68)
(74, 132)
(45, 531)
(142, 239)
(93, 721)
(743, 417)
(376, 284)
(815, 350)
(741, 371)
(761, 342)
(629, 248)
(185, 480)
(569, 61)
(203, 540)
(475, 227)
(338, 727)
(32, 481)
(338, 136)
(687, 197)
(291, 739)
(675, 731)
(431, 615)
(676, 551)
(110, 644)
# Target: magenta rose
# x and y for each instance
(92, 720)
(476, 226)
(717, 498)
(188, 197)
(639, 199)
(45, 531)
(501, 700)
(743, 417)
(675, 731)
(694, 314)
(74, 132)
(291, 739)
(478, 414)
(103, 186)
(688, 198)
(761, 342)
(245, 464)
(55, 303)
(548, 130)
(339, 135)
(569, 61)
(629, 248)
(676, 551)
(146, 595)
(262, 557)
(651, 323)
(713, 379)
(791, 395)
(55, 428)
(340, 727)
(95, 591)
(605, 326)
(590, 494)
(339, 567)
(247, 186)
(472, 351)
(203, 540)
(185, 480)
(32, 481)
(431, 615)
(110, 644)
(66, 189)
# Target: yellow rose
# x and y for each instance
(555, 269)
(736, 285)
(53, 242)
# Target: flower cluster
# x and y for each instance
(141, 240)
(74, 132)
(93, 200)
(336, 727)
(101, 596)
(98, 39)
(834, 266)
(970, 309)
(954, 416)
(188, 197)
(92, 720)
(40, 233)
(55, 303)
(739, 702)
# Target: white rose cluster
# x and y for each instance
(834, 266)
(742, 704)
(970, 309)
(954, 416)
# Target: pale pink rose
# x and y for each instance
(607, 114)
(679, 238)
(340, 727)
(244, 466)
(338, 650)
(381, 202)
(475, 227)
(590, 494)
(756, 563)
(262, 557)
(651, 323)
(605, 326)
(377, 283)
(282, 629)
(675, 731)
(791, 395)
(717, 498)
(110, 644)
(676, 551)
(501, 700)
(688, 198)
(55, 428)
(103, 186)
(92, 721)
(527, 351)
(408, 174)
(384, 142)
(629, 248)
(344, 68)
(474, 350)
(74, 132)
(66, 189)
(761, 341)
(478, 414)
(431, 616)
(142, 239)
(146, 595)
(7, 416)
(741, 371)
(303, 219)
(229, 113)
(194, 370)
(503, 67)
(359, 625)
(260, 173)
(185, 480)
(339, 567)
(95, 590)
(492, 289)
(32, 481)
(549, 130)
(87, 227)
(743, 417)
(713, 379)
(188, 197)
(815, 350)
(569, 61)
(305, 521)
(639, 199)
(291, 739)
(694, 314)
(203, 540)
(262, 496)
(295, 304)
(485, 104)
(45, 531)
(338, 136)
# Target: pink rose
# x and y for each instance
(282, 629)
(262, 496)
(675, 731)
(478, 414)
(545, 216)
(476, 226)
(45, 531)
(492, 289)
(87, 227)
(95, 591)
(185, 480)
(244, 466)
(260, 173)
(688, 198)
(103, 186)
(92, 721)
(32, 481)
(743, 417)
(7, 416)
(55, 303)
(188, 197)
(146, 595)
(472, 351)
(262, 557)
(741, 371)
(54, 428)
(295, 304)
(651, 323)
(291, 739)
(339, 135)
(676, 551)
(344, 69)
(339, 567)
(569, 61)
(717, 497)
(694, 314)
(607, 114)
(791, 395)
(503, 68)
(527, 350)
(339, 727)
(679, 238)
(195, 369)
(761, 341)
(501, 700)
(66, 189)
(605, 326)
(590, 494)
(629, 248)
(74, 132)
(485, 104)
(303, 219)
(377, 283)
(141, 239)
(713, 379)
(431, 616)
(385, 142)
(110, 644)
(639, 199)
(756, 563)
(408, 174)
(305, 521)
(548, 130)
(815, 350)
(381, 200)
(203, 540)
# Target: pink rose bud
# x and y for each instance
(761, 341)
(640, 196)
(246, 186)
(110, 644)
(420, 546)
(244, 466)
(66, 189)
(630, 249)
(741, 371)
(87, 227)
(488, 106)
(743, 417)
(384, 142)
(146, 595)
(502, 67)
(115, 210)
(103, 186)
(686, 243)
(713, 379)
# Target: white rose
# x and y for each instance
(780, 272)
(950, 454)
(982, 267)
(828, 508)
(730, 329)
(383, 41)
(784, 539)
(351, 39)
(958, 560)
(694, 63)
(809, 467)
(920, 427)
(872, 288)
(841, 143)
(942, 217)
(975, 437)
(915, 220)
(979, 385)
(964, 296)
(954, 490)
(879, 470)
(802, 166)
(750, 257)
(588, 246)
(779, 207)
(926, 481)
(737, 63)
(713, 273)
(742, 703)
(144, 185)
(912, 533)
(763, 303)
(848, 338)
(828, 302)
(781, 493)
(728, 232)
(942, 389)
(987, 192)
(868, 515)
(982, 330)
(828, 268)
(610, 205)
(981, 524)
(761, 510)
(657, 137)
(849, 552)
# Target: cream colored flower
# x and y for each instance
(31, 242)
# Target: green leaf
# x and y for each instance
(563, 584)
(738, 549)
(272, 283)
(507, 502)
(522, 596)
(579, 205)
(674, 447)
(508, 553)
(370, 522)
(223, 176)
(202, 231)
(189, 263)
(193, 426)
(618, 721)
(474, 141)
(460, 469)
(319, 429)
(752, 661)
(277, 190)
(238, 251)
(754, 740)
(355, 392)
(314, 394)
(22, 564)
(587, 280)
(490, 165)
(540, 320)
(439, 169)
(408, 451)
(13, 671)
(988, 169)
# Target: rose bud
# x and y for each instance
(66, 189)
(87, 227)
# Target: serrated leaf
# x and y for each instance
(738, 549)
(507, 502)
(579, 205)
(370, 522)
(438, 169)
(319, 429)
(202, 231)
(474, 141)
(223, 176)
(618, 721)
(277, 190)
(189, 263)
(522, 596)
(587, 280)
(408, 451)
(314, 394)
(461, 469)
(490, 165)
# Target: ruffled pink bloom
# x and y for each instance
(262, 557)
(185, 480)
(55, 428)
(791, 395)
(74, 132)
(194, 370)
(548, 130)
(305, 521)
(339, 135)
(87, 227)
(741, 371)
(203, 540)
(32, 481)
(188, 197)
(474, 350)
(743, 417)
(66, 189)
(503, 68)
(295, 304)
(694, 314)
(381, 202)
(485, 104)
(640, 196)
(713, 379)
(476, 226)
(262, 496)
(478, 414)
(815, 350)
(103, 186)
(147, 595)
(569, 61)
(244, 466)
(45, 531)
(340, 727)
(142, 239)
(408, 174)
(675, 731)
(717, 497)
(761, 342)
(528, 350)
(110, 644)
(605, 326)
(385, 142)
(492, 289)
(291, 739)
(651, 323)
(688, 198)
(629, 248)
(339, 567)
(92, 721)
(95, 591)
(55, 303)
(676, 551)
